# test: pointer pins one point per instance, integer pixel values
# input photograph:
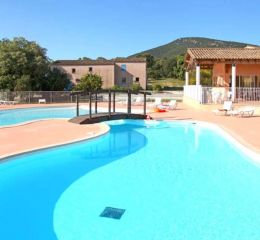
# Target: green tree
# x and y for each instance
(205, 77)
(85, 58)
(179, 69)
(56, 81)
(23, 64)
(89, 82)
(149, 59)
(169, 66)
(101, 59)
(23, 83)
(157, 70)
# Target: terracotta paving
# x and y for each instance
(45, 133)
(10, 106)
(55, 132)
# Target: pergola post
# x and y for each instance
(197, 75)
(233, 83)
(187, 78)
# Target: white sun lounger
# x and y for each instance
(3, 102)
(42, 100)
(138, 101)
(171, 106)
(157, 102)
(243, 112)
(227, 107)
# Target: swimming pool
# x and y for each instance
(174, 181)
(22, 115)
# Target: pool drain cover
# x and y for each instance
(115, 213)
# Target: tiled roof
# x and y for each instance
(82, 62)
(225, 53)
(98, 62)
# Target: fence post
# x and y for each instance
(114, 102)
(77, 104)
(71, 97)
(144, 103)
(129, 103)
(109, 103)
(90, 105)
(96, 103)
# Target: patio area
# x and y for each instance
(43, 134)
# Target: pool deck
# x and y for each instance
(46, 133)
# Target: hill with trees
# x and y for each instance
(179, 46)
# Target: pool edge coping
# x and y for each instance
(30, 122)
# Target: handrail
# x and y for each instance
(110, 99)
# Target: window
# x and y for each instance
(246, 81)
(123, 79)
(123, 67)
(257, 84)
(73, 70)
(90, 69)
(137, 79)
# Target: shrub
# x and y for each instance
(89, 82)
(136, 87)
(157, 88)
(118, 88)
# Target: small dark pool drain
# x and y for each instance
(114, 213)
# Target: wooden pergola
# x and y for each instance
(206, 58)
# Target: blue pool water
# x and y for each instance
(16, 116)
(174, 180)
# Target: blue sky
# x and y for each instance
(74, 28)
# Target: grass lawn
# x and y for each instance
(167, 83)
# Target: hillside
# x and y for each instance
(179, 46)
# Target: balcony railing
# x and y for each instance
(220, 94)
(217, 95)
